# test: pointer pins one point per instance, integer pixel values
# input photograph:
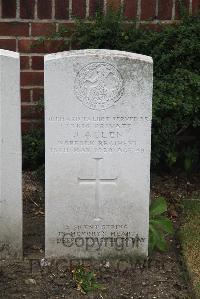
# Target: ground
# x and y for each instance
(163, 276)
(190, 240)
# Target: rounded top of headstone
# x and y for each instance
(99, 52)
(9, 53)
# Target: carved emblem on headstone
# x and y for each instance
(99, 85)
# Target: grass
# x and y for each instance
(190, 239)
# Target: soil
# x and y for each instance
(162, 276)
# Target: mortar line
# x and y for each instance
(105, 6)
(87, 8)
(70, 9)
(174, 9)
(17, 45)
(157, 9)
(190, 7)
(18, 9)
(53, 9)
(0, 8)
(138, 13)
(30, 63)
(30, 29)
(31, 97)
(35, 10)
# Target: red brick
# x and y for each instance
(78, 8)
(32, 46)
(130, 9)
(24, 62)
(165, 9)
(32, 78)
(44, 9)
(27, 9)
(8, 44)
(38, 94)
(148, 9)
(31, 112)
(55, 46)
(37, 62)
(8, 8)
(26, 126)
(40, 29)
(114, 4)
(14, 28)
(25, 95)
(96, 5)
(185, 4)
(61, 9)
(195, 6)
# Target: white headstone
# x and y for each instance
(98, 106)
(10, 156)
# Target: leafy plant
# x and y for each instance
(190, 157)
(61, 37)
(85, 280)
(159, 225)
(106, 31)
(176, 97)
(33, 149)
(176, 94)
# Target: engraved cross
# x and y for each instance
(97, 182)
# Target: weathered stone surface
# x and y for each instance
(98, 142)
(10, 156)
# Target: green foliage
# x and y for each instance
(159, 225)
(85, 280)
(61, 35)
(176, 99)
(176, 96)
(33, 149)
(104, 32)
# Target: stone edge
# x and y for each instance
(9, 53)
(94, 52)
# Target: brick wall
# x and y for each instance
(22, 21)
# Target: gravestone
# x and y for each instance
(10, 156)
(98, 106)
